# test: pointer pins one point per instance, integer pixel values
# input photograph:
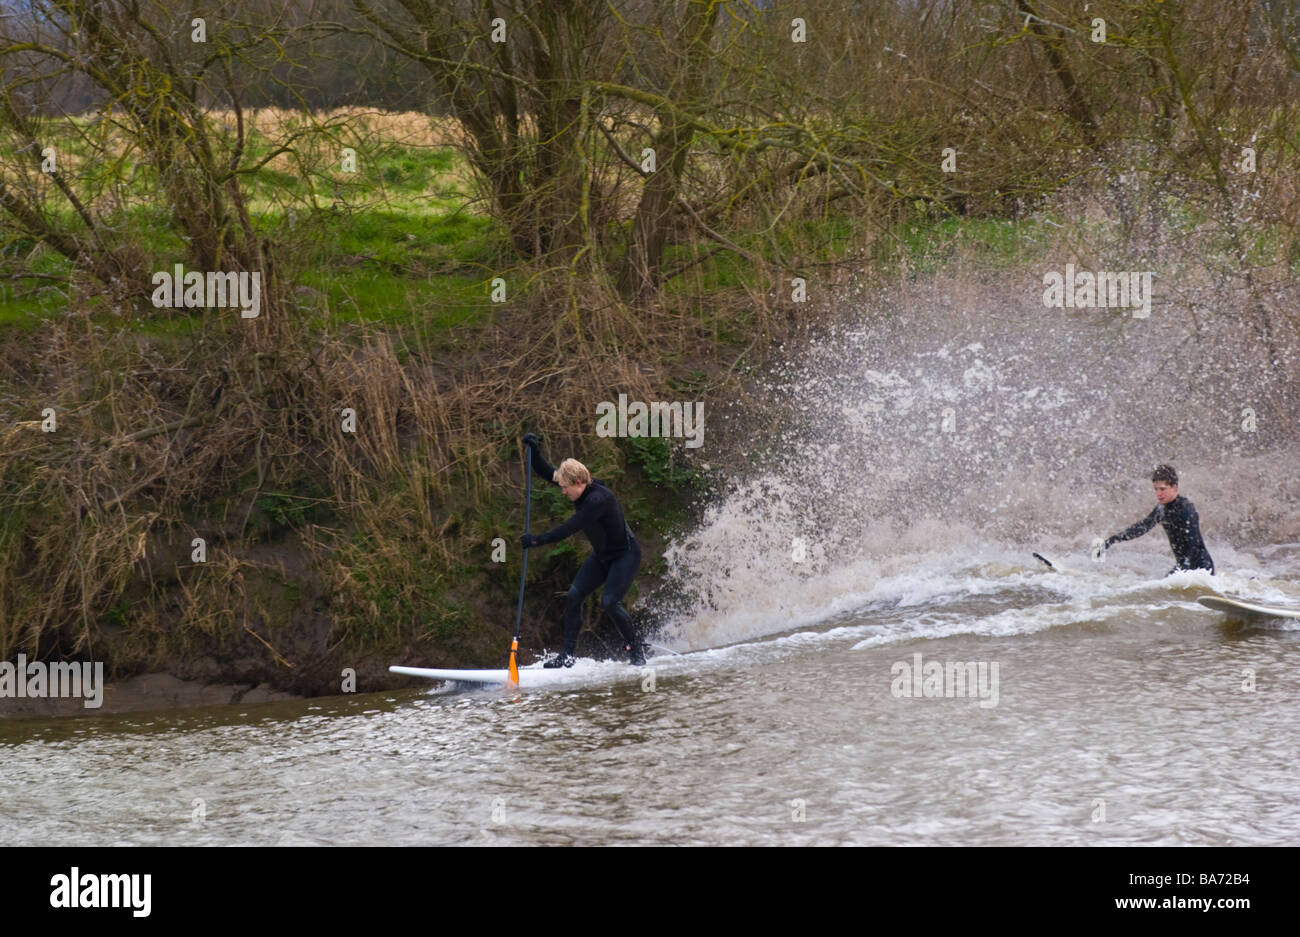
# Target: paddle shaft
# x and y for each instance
(528, 509)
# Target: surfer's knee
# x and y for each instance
(608, 600)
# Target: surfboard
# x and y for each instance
(1245, 609)
(528, 676)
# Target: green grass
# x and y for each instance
(438, 302)
(929, 244)
(26, 313)
(400, 242)
(386, 267)
(396, 242)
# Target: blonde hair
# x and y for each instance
(572, 472)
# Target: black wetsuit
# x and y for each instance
(615, 555)
(1183, 528)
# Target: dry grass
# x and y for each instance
(92, 504)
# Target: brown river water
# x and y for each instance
(1122, 715)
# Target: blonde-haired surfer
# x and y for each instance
(615, 554)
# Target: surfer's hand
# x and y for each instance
(530, 439)
(528, 540)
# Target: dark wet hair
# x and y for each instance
(1165, 473)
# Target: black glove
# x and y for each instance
(528, 540)
(530, 439)
(1110, 542)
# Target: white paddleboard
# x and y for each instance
(532, 676)
(1245, 609)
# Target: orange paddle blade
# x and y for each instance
(514, 668)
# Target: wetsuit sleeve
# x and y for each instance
(541, 466)
(581, 518)
(1138, 529)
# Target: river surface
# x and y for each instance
(1124, 714)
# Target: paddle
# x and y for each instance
(1054, 567)
(513, 680)
(1057, 567)
(1044, 560)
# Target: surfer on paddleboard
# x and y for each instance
(1178, 517)
(615, 554)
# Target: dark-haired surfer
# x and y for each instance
(1178, 517)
